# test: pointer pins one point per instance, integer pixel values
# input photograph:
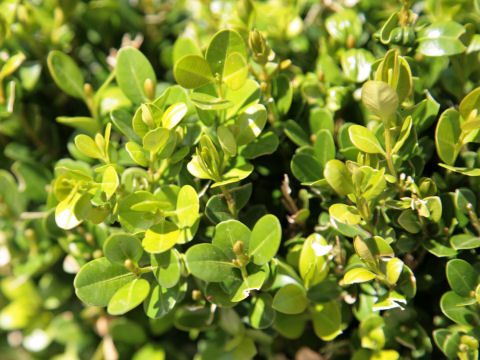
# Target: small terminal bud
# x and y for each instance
(88, 89)
(238, 248)
(130, 265)
(97, 254)
(196, 295)
(149, 87)
(285, 64)
(350, 41)
(261, 52)
(236, 262)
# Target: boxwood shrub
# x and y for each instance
(205, 179)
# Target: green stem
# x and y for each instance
(230, 201)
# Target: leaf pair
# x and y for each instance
(225, 61)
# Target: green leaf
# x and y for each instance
(173, 115)
(306, 168)
(345, 214)
(227, 140)
(357, 64)
(241, 289)
(161, 237)
(236, 71)
(441, 39)
(227, 233)
(465, 241)
(188, 206)
(262, 315)
(470, 103)
(110, 181)
(266, 144)
(295, 132)
(135, 221)
(461, 277)
(128, 297)
(122, 246)
(131, 71)
(122, 119)
(137, 153)
(394, 270)
(209, 102)
(209, 263)
(12, 64)
(282, 92)
(327, 320)
(167, 267)
(265, 240)
(380, 98)
(404, 134)
(223, 44)
(324, 291)
(338, 177)
(358, 275)
(462, 170)
(72, 211)
(161, 301)
(290, 326)
(98, 280)
(312, 261)
(290, 299)
(192, 71)
(156, 140)
(84, 123)
(453, 308)
(438, 249)
(365, 140)
(447, 135)
(235, 174)
(251, 123)
(324, 146)
(88, 147)
(66, 74)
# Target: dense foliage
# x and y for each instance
(203, 179)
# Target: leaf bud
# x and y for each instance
(149, 87)
(88, 89)
(129, 265)
(259, 47)
(238, 248)
(147, 116)
(351, 42)
(196, 295)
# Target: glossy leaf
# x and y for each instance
(98, 280)
(338, 177)
(209, 263)
(192, 71)
(161, 237)
(358, 275)
(110, 181)
(365, 140)
(66, 74)
(120, 247)
(380, 98)
(447, 135)
(131, 71)
(227, 233)
(128, 297)
(290, 299)
(461, 277)
(265, 240)
(223, 44)
(327, 320)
